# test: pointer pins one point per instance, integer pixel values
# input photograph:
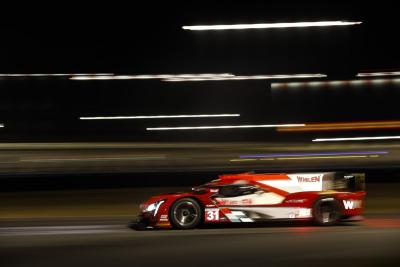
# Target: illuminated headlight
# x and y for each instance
(153, 207)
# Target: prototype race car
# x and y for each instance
(324, 198)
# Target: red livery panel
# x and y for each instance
(324, 198)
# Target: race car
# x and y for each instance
(323, 198)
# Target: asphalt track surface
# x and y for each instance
(109, 242)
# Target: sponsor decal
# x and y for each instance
(304, 213)
(212, 215)
(229, 202)
(352, 204)
(296, 200)
(313, 179)
(300, 213)
(237, 216)
(163, 218)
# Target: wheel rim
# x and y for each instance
(185, 213)
(328, 213)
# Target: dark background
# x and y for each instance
(148, 39)
(139, 38)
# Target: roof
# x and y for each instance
(254, 176)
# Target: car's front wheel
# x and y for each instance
(185, 213)
(327, 211)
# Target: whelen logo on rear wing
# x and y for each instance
(314, 179)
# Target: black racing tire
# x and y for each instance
(185, 213)
(326, 211)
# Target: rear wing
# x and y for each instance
(353, 182)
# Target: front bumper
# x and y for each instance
(147, 220)
(139, 223)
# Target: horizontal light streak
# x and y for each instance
(378, 74)
(355, 138)
(307, 158)
(314, 154)
(222, 127)
(270, 25)
(53, 74)
(342, 126)
(1, 125)
(242, 160)
(91, 159)
(158, 117)
(335, 83)
(327, 157)
(248, 77)
(152, 76)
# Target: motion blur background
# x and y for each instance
(58, 168)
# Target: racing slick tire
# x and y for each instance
(326, 211)
(185, 213)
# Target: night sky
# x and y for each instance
(148, 39)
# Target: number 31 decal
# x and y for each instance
(212, 215)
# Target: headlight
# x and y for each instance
(153, 207)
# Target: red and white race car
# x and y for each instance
(324, 198)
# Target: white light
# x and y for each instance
(52, 74)
(152, 76)
(247, 77)
(336, 83)
(1, 125)
(224, 127)
(378, 74)
(355, 138)
(270, 25)
(159, 117)
(154, 207)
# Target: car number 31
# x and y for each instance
(212, 215)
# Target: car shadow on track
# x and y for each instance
(271, 225)
(276, 224)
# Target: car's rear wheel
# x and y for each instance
(327, 211)
(185, 213)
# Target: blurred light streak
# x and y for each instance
(159, 117)
(53, 74)
(314, 154)
(378, 74)
(1, 125)
(355, 138)
(242, 160)
(248, 77)
(223, 127)
(308, 158)
(91, 159)
(56, 230)
(151, 76)
(327, 157)
(283, 85)
(270, 25)
(342, 126)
